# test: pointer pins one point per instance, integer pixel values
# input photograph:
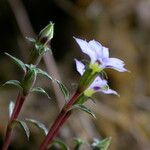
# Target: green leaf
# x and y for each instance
(101, 144)
(61, 144)
(11, 108)
(39, 71)
(63, 89)
(39, 125)
(83, 108)
(17, 61)
(23, 125)
(40, 90)
(78, 143)
(13, 82)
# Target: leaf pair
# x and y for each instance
(23, 66)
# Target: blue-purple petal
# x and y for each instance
(80, 67)
(86, 49)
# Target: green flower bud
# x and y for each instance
(29, 80)
(46, 34)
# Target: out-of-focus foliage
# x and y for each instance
(121, 25)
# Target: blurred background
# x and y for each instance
(121, 25)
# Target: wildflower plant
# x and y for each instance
(93, 79)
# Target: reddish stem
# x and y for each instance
(19, 102)
(60, 120)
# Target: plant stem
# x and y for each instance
(60, 120)
(19, 102)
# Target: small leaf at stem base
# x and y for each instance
(40, 90)
(39, 125)
(63, 88)
(13, 82)
(83, 108)
(23, 125)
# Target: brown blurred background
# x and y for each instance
(121, 25)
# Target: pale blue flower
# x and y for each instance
(98, 85)
(100, 54)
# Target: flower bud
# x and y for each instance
(29, 80)
(46, 34)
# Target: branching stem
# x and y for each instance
(59, 121)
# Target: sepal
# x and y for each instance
(32, 40)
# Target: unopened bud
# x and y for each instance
(46, 34)
(29, 81)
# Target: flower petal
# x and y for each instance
(80, 67)
(113, 63)
(86, 49)
(96, 47)
(96, 83)
(101, 51)
(105, 52)
(110, 91)
(99, 85)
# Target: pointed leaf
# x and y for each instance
(13, 82)
(78, 143)
(63, 89)
(40, 90)
(17, 61)
(23, 125)
(83, 108)
(39, 71)
(31, 39)
(101, 144)
(11, 108)
(39, 125)
(61, 144)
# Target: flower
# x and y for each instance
(100, 55)
(98, 85)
